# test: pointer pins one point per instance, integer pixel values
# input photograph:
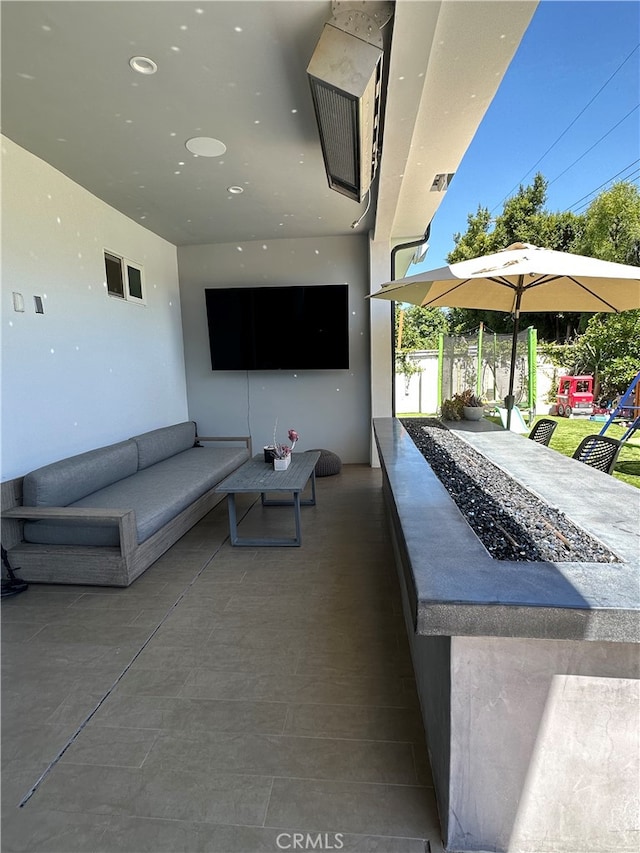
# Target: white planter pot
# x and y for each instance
(473, 413)
(282, 464)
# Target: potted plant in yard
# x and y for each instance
(473, 406)
(451, 408)
(465, 405)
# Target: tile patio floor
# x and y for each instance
(227, 699)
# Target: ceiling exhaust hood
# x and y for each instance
(345, 75)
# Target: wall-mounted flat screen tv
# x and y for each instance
(303, 327)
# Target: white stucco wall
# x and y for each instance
(329, 408)
(419, 393)
(92, 369)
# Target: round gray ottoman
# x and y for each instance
(328, 464)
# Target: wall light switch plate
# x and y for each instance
(18, 301)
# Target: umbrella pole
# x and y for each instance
(509, 400)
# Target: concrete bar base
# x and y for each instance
(533, 743)
(527, 673)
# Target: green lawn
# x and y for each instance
(570, 433)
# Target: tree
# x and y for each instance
(612, 226)
(523, 220)
(610, 350)
(418, 328)
(609, 229)
(606, 345)
(610, 345)
(476, 241)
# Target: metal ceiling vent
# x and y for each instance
(345, 74)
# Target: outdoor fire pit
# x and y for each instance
(511, 522)
(526, 664)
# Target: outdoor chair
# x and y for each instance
(543, 430)
(599, 451)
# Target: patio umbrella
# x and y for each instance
(522, 278)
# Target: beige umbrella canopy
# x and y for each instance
(522, 278)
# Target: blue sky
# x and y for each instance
(568, 53)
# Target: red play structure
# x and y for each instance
(575, 396)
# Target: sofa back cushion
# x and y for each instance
(162, 443)
(64, 482)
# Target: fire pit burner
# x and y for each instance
(511, 522)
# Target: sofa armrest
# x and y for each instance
(125, 518)
(245, 438)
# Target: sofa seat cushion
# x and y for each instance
(157, 494)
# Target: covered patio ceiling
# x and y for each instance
(236, 71)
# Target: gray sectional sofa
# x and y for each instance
(104, 516)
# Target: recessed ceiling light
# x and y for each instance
(205, 146)
(235, 190)
(143, 65)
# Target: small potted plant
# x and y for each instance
(281, 453)
(465, 405)
(473, 406)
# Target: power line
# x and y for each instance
(577, 206)
(553, 145)
(608, 181)
(634, 177)
(591, 147)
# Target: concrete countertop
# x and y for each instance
(457, 589)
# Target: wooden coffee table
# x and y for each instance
(258, 476)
